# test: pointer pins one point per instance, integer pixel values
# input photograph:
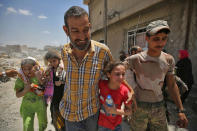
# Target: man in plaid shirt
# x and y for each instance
(84, 60)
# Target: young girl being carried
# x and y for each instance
(110, 116)
(27, 86)
(55, 87)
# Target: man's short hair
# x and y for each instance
(74, 11)
(156, 27)
(134, 48)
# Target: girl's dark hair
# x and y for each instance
(110, 66)
(52, 54)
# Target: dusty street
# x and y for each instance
(10, 119)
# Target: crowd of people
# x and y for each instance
(79, 80)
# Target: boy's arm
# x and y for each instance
(22, 92)
(131, 94)
(128, 110)
(129, 87)
(174, 93)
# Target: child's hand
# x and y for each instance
(110, 110)
(127, 112)
(38, 74)
(27, 87)
(130, 97)
(47, 71)
(36, 68)
(46, 76)
(58, 83)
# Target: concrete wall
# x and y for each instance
(116, 10)
(96, 11)
(178, 23)
(129, 7)
(193, 41)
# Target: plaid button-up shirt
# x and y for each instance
(81, 93)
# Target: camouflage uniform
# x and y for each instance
(150, 73)
(149, 113)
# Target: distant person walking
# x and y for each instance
(123, 56)
(184, 71)
(55, 87)
(135, 49)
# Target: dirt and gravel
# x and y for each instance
(10, 119)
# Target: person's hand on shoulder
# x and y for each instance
(110, 110)
(11, 73)
(58, 83)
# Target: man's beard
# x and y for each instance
(81, 46)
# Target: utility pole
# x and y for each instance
(189, 19)
(135, 32)
(105, 21)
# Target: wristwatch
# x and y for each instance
(4, 74)
(181, 111)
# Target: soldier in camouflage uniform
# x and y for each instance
(151, 67)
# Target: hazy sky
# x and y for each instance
(35, 23)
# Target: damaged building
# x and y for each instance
(122, 24)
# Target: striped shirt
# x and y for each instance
(81, 93)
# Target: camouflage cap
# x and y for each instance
(156, 26)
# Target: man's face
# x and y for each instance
(78, 31)
(157, 42)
